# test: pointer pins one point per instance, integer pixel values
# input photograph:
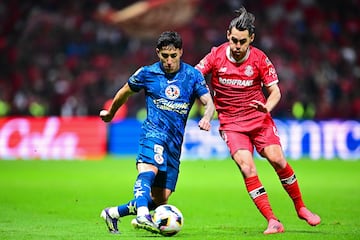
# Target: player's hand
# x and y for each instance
(204, 124)
(258, 106)
(106, 116)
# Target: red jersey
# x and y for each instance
(236, 84)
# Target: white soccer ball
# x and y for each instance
(169, 219)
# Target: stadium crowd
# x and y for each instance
(58, 59)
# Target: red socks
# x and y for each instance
(259, 196)
(290, 184)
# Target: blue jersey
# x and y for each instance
(169, 98)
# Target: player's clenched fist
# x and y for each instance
(106, 116)
(204, 124)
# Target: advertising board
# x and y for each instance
(52, 138)
(313, 139)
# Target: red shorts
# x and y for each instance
(257, 137)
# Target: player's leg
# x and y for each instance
(164, 184)
(152, 160)
(241, 149)
(257, 191)
(147, 165)
(159, 196)
(142, 187)
(142, 193)
(288, 179)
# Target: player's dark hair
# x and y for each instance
(243, 21)
(169, 38)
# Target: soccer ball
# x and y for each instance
(169, 219)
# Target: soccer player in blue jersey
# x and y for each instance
(171, 87)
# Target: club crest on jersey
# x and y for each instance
(172, 92)
(249, 71)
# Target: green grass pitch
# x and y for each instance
(63, 200)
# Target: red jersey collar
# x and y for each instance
(231, 59)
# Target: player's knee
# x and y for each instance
(277, 163)
(247, 170)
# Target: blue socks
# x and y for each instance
(142, 194)
(127, 209)
(142, 188)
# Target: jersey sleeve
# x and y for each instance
(267, 71)
(205, 64)
(137, 80)
(201, 87)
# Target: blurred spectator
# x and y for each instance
(57, 59)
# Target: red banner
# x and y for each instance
(52, 138)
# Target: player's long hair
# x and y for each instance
(244, 20)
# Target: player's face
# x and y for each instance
(170, 58)
(239, 42)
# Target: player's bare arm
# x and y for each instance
(120, 98)
(271, 102)
(206, 100)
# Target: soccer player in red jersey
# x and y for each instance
(239, 71)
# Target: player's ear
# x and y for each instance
(157, 52)
(181, 51)
(252, 37)
(228, 34)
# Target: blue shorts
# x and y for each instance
(157, 153)
(167, 179)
